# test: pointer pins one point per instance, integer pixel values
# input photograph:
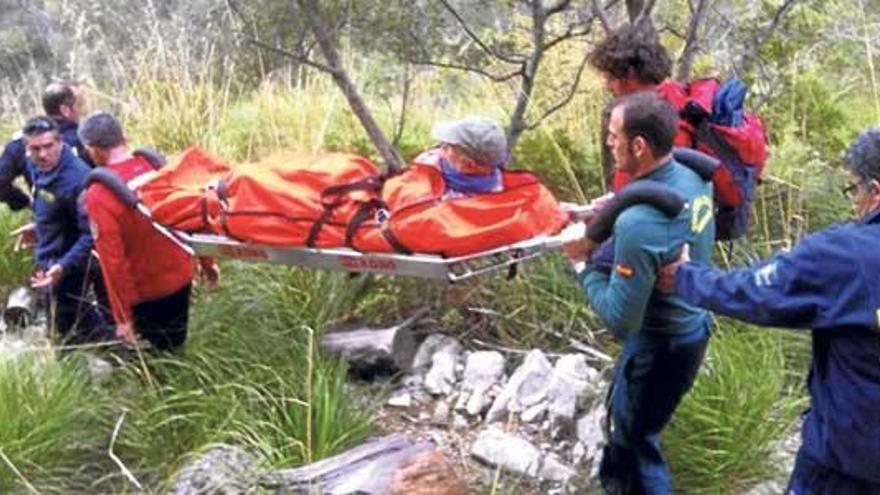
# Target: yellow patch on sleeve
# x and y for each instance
(624, 270)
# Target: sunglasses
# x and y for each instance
(39, 125)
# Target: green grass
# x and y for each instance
(15, 267)
(49, 414)
(722, 434)
(251, 375)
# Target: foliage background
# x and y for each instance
(180, 73)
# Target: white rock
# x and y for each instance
(511, 452)
(578, 452)
(441, 413)
(99, 369)
(570, 380)
(400, 399)
(590, 432)
(482, 370)
(460, 422)
(553, 469)
(527, 386)
(433, 343)
(441, 378)
(534, 414)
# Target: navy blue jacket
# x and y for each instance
(830, 282)
(13, 163)
(62, 226)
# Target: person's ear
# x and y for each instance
(639, 146)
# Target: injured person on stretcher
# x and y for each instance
(453, 200)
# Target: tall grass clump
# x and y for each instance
(15, 267)
(251, 375)
(48, 416)
(725, 430)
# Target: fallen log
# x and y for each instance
(389, 465)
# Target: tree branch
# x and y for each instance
(486, 48)
(748, 57)
(645, 13)
(327, 44)
(600, 13)
(295, 56)
(467, 68)
(568, 97)
(692, 44)
(559, 7)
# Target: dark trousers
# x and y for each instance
(80, 307)
(651, 376)
(163, 321)
(811, 478)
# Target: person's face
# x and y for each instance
(865, 196)
(617, 87)
(463, 163)
(44, 149)
(619, 144)
(74, 111)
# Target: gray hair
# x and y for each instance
(863, 155)
(101, 130)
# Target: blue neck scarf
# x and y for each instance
(469, 184)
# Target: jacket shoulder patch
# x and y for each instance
(624, 271)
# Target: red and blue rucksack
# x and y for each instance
(714, 121)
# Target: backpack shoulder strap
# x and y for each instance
(660, 196)
(156, 159)
(102, 175)
(699, 162)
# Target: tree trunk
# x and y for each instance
(327, 43)
(517, 119)
(692, 43)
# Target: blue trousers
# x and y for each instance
(811, 478)
(651, 376)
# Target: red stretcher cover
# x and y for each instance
(344, 200)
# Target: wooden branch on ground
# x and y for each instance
(369, 468)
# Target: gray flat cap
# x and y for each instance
(481, 139)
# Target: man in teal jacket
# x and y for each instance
(664, 338)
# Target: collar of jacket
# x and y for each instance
(661, 170)
(872, 217)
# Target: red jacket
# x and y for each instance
(138, 262)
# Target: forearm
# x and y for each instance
(610, 303)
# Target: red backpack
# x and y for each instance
(741, 147)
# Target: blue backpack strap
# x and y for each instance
(699, 162)
(114, 183)
(660, 196)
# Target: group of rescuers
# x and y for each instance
(656, 298)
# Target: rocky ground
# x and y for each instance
(456, 421)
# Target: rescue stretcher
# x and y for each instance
(452, 269)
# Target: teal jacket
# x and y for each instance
(645, 240)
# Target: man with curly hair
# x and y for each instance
(631, 59)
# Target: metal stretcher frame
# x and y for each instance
(417, 265)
